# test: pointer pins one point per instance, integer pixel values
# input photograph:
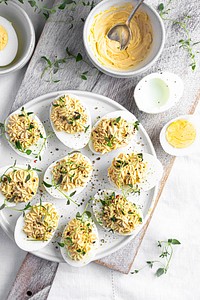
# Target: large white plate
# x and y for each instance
(98, 106)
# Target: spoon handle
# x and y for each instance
(133, 12)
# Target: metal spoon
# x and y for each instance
(122, 32)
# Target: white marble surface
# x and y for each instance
(176, 216)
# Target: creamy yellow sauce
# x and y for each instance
(107, 51)
(3, 37)
(180, 134)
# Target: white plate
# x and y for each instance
(98, 106)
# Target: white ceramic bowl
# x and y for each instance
(25, 33)
(156, 48)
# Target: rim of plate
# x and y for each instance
(102, 98)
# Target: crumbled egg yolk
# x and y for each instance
(3, 38)
(180, 134)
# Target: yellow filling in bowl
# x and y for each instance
(107, 51)
(180, 134)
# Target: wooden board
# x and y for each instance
(55, 37)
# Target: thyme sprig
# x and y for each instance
(39, 7)
(57, 187)
(185, 43)
(136, 125)
(52, 66)
(166, 254)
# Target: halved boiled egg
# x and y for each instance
(68, 176)
(181, 136)
(79, 241)
(135, 171)
(26, 134)
(71, 121)
(35, 229)
(18, 184)
(158, 92)
(114, 211)
(113, 131)
(8, 42)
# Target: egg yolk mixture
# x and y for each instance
(111, 134)
(119, 214)
(107, 51)
(79, 238)
(68, 115)
(19, 185)
(40, 222)
(127, 169)
(3, 38)
(72, 172)
(180, 134)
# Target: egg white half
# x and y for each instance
(8, 54)
(41, 144)
(126, 115)
(77, 140)
(193, 148)
(2, 197)
(21, 238)
(88, 257)
(152, 176)
(97, 209)
(48, 178)
(158, 92)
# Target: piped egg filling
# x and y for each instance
(79, 238)
(72, 172)
(127, 169)
(41, 222)
(111, 134)
(119, 214)
(23, 130)
(68, 115)
(19, 185)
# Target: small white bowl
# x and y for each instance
(156, 48)
(158, 92)
(25, 33)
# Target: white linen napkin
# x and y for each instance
(176, 216)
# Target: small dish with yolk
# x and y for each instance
(181, 136)
(17, 38)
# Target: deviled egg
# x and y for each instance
(8, 42)
(181, 136)
(113, 131)
(115, 212)
(26, 134)
(71, 121)
(135, 171)
(68, 176)
(79, 241)
(35, 229)
(18, 184)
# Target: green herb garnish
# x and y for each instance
(166, 255)
(185, 43)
